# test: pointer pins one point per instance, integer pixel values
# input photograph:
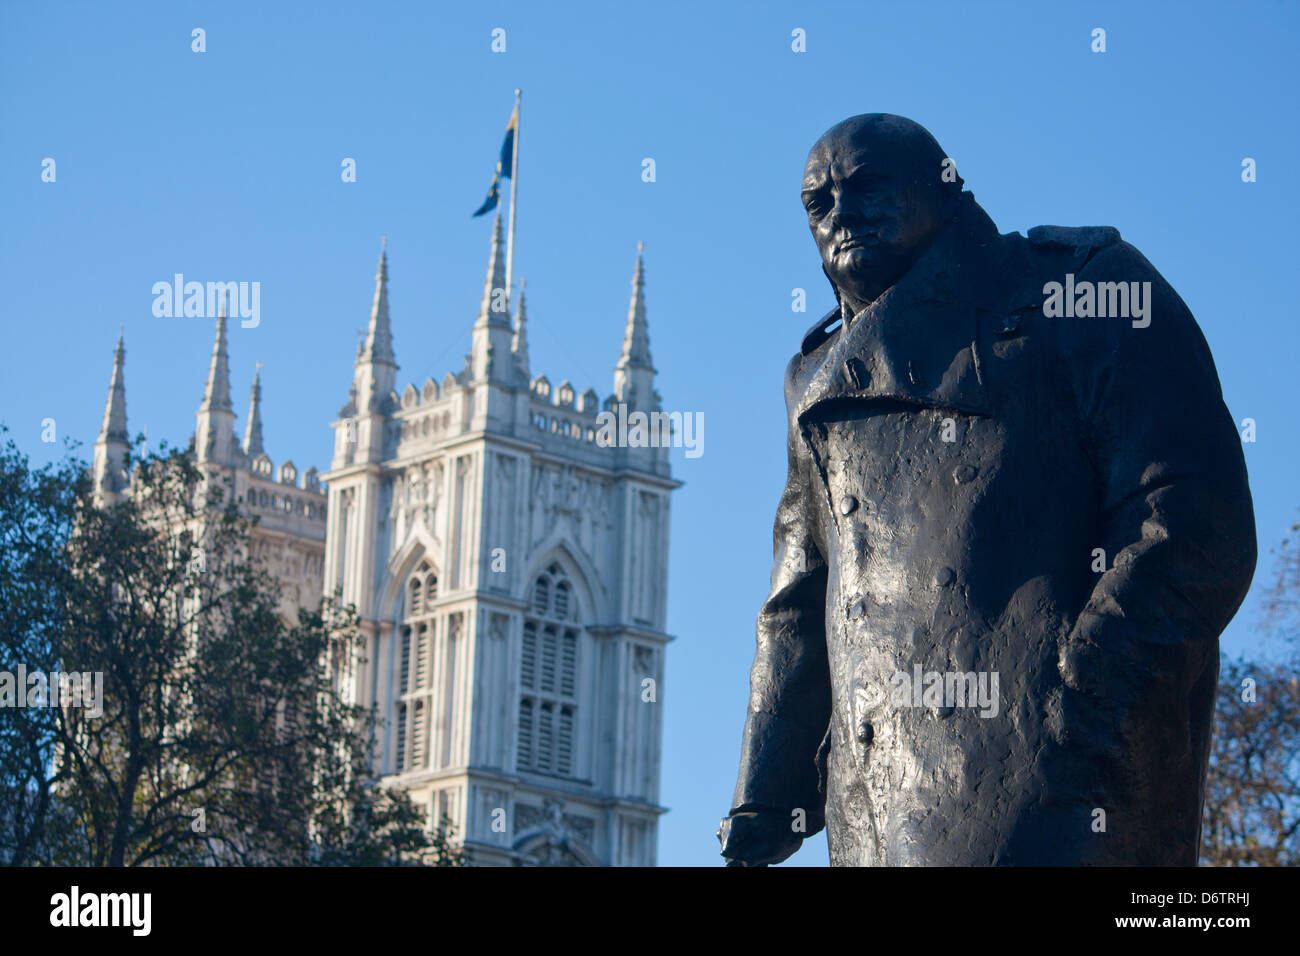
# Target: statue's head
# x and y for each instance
(875, 195)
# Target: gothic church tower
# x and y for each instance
(290, 508)
(510, 573)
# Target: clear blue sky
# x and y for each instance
(225, 165)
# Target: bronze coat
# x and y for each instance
(895, 548)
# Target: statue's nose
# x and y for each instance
(840, 211)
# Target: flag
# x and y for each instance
(504, 164)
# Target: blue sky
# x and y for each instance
(226, 165)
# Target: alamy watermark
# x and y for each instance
(36, 688)
(129, 910)
(946, 689)
(651, 430)
(1102, 300)
(197, 300)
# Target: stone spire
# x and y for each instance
(519, 344)
(489, 353)
(214, 439)
(216, 393)
(376, 367)
(113, 427)
(634, 373)
(253, 428)
(112, 445)
(495, 307)
(379, 334)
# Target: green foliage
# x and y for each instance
(37, 511)
(223, 737)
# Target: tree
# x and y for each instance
(210, 730)
(37, 510)
(1252, 800)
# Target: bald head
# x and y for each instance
(874, 192)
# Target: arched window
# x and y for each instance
(548, 678)
(413, 673)
(417, 595)
(560, 601)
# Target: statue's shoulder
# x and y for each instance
(1050, 250)
(803, 364)
(1073, 237)
(796, 374)
(820, 333)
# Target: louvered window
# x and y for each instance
(564, 741)
(399, 758)
(545, 736)
(528, 659)
(421, 664)
(549, 649)
(548, 678)
(568, 664)
(419, 748)
(526, 706)
(404, 671)
(416, 658)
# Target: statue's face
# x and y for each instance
(868, 215)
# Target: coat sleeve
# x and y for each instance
(1177, 524)
(789, 698)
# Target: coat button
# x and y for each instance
(847, 504)
(857, 610)
(866, 733)
(945, 577)
(964, 473)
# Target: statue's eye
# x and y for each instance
(816, 206)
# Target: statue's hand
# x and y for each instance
(1113, 694)
(1116, 672)
(757, 837)
(1082, 665)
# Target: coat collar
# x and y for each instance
(918, 342)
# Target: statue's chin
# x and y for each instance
(861, 273)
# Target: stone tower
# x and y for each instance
(290, 534)
(510, 574)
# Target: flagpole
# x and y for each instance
(514, 183)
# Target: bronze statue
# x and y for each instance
(1015, 523)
